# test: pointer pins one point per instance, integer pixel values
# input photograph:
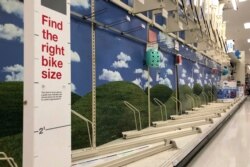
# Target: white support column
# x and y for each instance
(47, 84)
(241, 68)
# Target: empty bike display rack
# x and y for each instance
(9, 160)
(161, 105)
(161, 135)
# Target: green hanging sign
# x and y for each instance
(153, 58)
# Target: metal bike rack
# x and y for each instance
(129, 144)
(177, 101)
(161, 104)
(10, 160)
(205, 98)
(199, 100)
(87, 123)
(192, 100)
(212, 96)
(134, 110)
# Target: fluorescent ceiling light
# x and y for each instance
(201, 3)
(195, 2)
(247, 25)
(248, 40)
(242, 0)
(234, 4)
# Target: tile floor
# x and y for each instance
(231, 146)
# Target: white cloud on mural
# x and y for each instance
(122, 61)
(182, 81)
(170, 72)
(138, 71)
(190, 79)
(109, 75)
(197, 65)
(146, 85)
(138, 82)
(12, 7)
(196, 71)
(122, 56)
(120, 64)
(16, 73)
(75, 57)
(11, 32)
(184, 73)
(199, 82)
(73, 87)
(165, 81)
(84, 3)
(145, 75)
(201, 75)
(162, 63)
(167, 40)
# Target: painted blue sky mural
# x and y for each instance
(118, 58)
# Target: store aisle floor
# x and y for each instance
(231, 146)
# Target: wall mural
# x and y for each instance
(121, 72)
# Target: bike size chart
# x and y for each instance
(47, 84)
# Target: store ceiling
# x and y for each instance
(235, 26)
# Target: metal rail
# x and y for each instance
(10, 160)
(192, 100)
(128, 144)
(204, 97)
(186, 120)
(93, 71)
(138, 156)
(163, 129)
(161, 104)
(87, 123)
(212, 96)
(177, 101)
(199, 99)
(134, 110)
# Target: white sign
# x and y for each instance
(230, 46)
(47, 84)
(176, 45)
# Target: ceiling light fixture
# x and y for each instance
(201, 3)
(234, 4)
(248, 40)
(247, 25)
(242, 0)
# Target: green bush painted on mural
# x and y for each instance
(161, 92)
(185, 90)
(113, 116)
(208, 91)
(197, 89)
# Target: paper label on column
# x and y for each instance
(141, 1)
